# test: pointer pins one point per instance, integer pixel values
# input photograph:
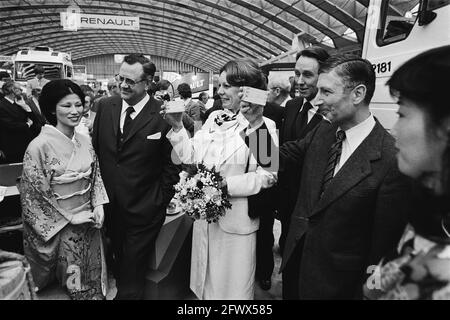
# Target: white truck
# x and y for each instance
(397, 30)
(57, 65)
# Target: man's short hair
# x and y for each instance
(353, 70)
(148, 66)
(184, 90)
(7, 87)
(314, 52)
(279, 81)
(39, 69)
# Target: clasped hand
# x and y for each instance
(96, 217)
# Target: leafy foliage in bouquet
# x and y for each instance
(200, 193)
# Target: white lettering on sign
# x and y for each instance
(95, 21)
(197, 84)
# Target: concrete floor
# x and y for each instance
(54, 292)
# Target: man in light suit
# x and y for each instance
(352, 204)
(129, 137)
(38, 81)
(33, 102)
(300, 117)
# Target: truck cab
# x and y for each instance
(57, 65)
(397, 30)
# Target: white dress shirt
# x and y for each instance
(312, 111)
(353, 138)
(137, 109)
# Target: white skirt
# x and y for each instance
(222, 264)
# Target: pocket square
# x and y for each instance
(154, 136)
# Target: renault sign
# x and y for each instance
(72, 21)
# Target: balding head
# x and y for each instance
(279, 87)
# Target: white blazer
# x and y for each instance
(230, 158)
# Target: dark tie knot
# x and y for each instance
(306, 106)
(130, 110)
(340, 136)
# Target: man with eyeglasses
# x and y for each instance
(113, 88)
(129, 137)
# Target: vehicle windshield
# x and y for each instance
(25, 70)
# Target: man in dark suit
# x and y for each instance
(300, 117)
(18, 125)
(129, 137)
(352, 204)
(33, 102)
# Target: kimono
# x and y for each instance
(60, 179)
(223, 260)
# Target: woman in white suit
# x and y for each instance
(224, 253)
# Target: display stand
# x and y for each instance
(169, 268)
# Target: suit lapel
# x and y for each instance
(355, 169)
(291, 116)
(116, 109)
(314, 121)
(143, 118)
(320, 161)
(233, 144)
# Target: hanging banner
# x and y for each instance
(197, 81)
(72, 21)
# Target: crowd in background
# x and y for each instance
(364, 212)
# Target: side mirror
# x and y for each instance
(425, 16)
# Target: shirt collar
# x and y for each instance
(355, 135)
(187, 101)
(138, 106)
(12, 101)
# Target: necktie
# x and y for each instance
(302, 119)
(128, 121)
(333, 160)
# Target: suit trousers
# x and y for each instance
(131, 248)
(291, 273)
(264, 245)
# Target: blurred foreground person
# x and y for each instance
(62, 197)
(420, 267)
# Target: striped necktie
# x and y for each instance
(333, 160)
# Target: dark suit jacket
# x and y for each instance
(40, 119)
(15, 135)
(360, 217)
(289, 181)
(288, 132)
(139, 177)
(274, 112)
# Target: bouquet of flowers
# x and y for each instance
(200, 193)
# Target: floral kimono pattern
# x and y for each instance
(421, 272)
(60, 179)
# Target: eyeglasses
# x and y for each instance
(128, 82)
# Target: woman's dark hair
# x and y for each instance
(424, 80)
(245, 72)
(151, 89)
(53, 92)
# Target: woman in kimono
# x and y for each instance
(419, 268)
(62, 197)
(224, 253)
